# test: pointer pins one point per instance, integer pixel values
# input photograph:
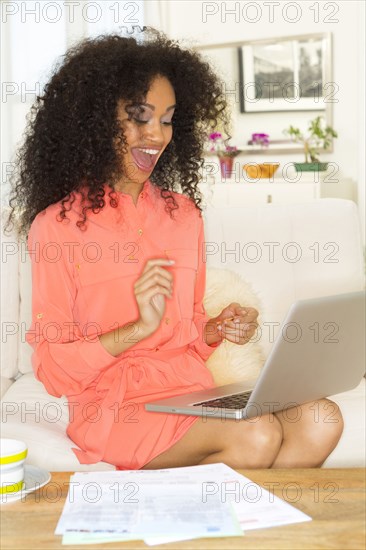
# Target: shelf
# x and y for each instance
(275, 148)
(308, 179)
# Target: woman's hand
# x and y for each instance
(151, 290)
(237, 323)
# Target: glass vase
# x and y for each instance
(226, 166)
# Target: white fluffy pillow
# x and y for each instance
(231, 362)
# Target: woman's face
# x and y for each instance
(148, 130)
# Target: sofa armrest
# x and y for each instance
(5, 384)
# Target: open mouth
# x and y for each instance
(145, 158)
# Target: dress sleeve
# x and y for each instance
(200, 317)
(62, 359)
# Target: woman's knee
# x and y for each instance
(332, 426)
(257, 443)
(323, 421)
(322, 427)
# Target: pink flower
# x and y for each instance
(215, 135)
(261, 139)
(220, 148)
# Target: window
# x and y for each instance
(35, 36)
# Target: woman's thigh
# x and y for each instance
(233, 440)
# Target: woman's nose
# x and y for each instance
(153, 131)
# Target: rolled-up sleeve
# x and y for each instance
(63, 358)
(200, 317)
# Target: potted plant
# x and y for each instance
(317, 137)
(226, 153)
(259, 139)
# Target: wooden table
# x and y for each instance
(334, 498)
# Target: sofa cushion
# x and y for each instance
(351, 450)
(25, 313)
(30, 414)
(5, 384)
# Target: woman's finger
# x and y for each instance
(154, 270)
(157, 264)
(158, 261)
(243, 329)
(152, 280)
(250, 313)
(237, 323)
(144, 297)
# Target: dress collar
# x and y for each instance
(147, 190)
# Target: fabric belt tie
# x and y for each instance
(114, 380)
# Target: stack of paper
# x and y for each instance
(168, 505)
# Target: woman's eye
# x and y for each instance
(139, 121)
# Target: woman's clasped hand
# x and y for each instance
(237, 324)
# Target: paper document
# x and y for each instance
(168, 505)
(135, 505)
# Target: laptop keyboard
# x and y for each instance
(237, 401)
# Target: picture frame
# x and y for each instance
(290, 73)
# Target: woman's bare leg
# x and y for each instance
(253, 443)
(310, 433)
(300, 437)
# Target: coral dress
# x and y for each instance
(83, 287)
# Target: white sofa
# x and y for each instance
(286, 251)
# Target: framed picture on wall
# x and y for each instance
(286, 74)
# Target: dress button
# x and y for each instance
(39, 315)
(167, 320)
(142, 195)
(140, 232)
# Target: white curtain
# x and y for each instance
(34, 37)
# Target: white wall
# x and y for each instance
(186, 19)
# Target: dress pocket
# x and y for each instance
(184, 273)
(107, 269)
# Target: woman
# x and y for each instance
(116, 322)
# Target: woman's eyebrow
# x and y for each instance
(153, 108)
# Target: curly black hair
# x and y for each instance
(72, 128)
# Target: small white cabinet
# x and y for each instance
(310, 186)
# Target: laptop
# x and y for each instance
(319, 351)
